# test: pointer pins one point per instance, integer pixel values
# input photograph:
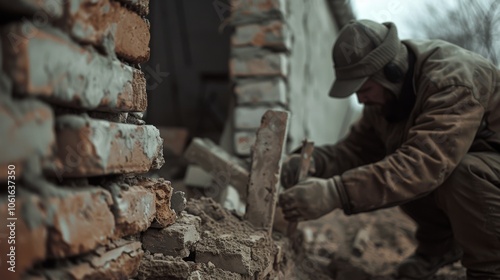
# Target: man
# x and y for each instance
(428, 140)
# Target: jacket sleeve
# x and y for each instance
(361, 146)
(436, 142)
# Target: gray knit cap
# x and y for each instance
(361, 50)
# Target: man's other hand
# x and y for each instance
(290, 170)
(310, 199)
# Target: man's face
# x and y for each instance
(372, 93)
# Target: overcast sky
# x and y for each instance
(401, 12)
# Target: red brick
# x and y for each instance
(133, 208)
(30, 234)
(45, 62)
(243, 142)
(79, 221)
(273, 34)
(244, 11)
(162, 189)
(118, 260)
(266, 168)
(89, 147)
(94, 22)
(260, 63)
(26, 129)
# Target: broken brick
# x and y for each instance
(30, 234)
(27, 130)
(118, 260)
(257, 92)
(95, 22)
(133, 208)
(273, 34)
(177, 240)
(79, 220)
(158, 266)
(225, 168)
(45, 62)
(90, 147)
(258, 63)
(162, 189)
(266, 167)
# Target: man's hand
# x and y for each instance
(310, 199)
(290, 170)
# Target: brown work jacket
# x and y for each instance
(382, 163)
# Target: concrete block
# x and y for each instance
(98, 22)
(41, 10)
(258, 64)
(89, 147)
(26, 129)
(45, 62)
(244, 11)
(157, 266)
(257, 92)
(266, 167)
(174, 139)
(176, 240)
(249, 118)
(225, 168)
(139, 6)
(28, 237)
(118, 260)
(79, 220)
(243, 142)
(162, 189)
(226, 253)
(273, 34)
(133, 208)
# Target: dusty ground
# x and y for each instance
(387, 236)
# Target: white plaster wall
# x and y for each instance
(314, 114)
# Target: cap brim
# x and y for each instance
(344, 88)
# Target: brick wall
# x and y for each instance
(281, 58)
(71, 100)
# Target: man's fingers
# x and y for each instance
(292, 216)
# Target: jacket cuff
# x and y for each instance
(344, 199)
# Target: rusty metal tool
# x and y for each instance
(305, 163)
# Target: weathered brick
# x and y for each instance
(244, 11)
(258, 63)
(118, 260)
(249, 117)
(30, 234)
(273, 34)
(133, 208)
(174, 139)
(96, 22)
(176, 240)
(243, 142)
(162, 189)
(89, 147)
(26, 129)
(266, 168)
(79, 220)
(41, 10)
(139, 6)
(225, 168)
(45, 62)
(256, 92)
(158, 266)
